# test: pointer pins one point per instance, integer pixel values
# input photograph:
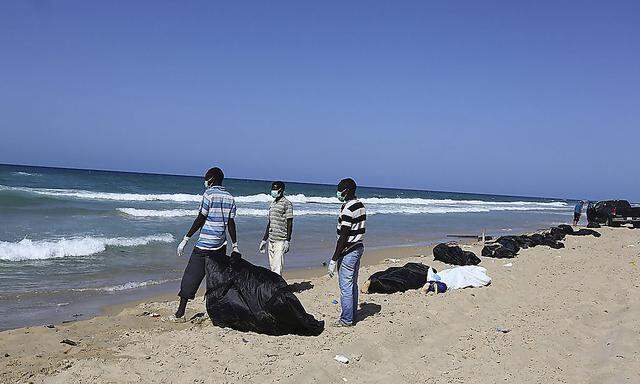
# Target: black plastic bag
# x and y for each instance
(399, 279)
(453, 254)
(250, 298)
(586, 232)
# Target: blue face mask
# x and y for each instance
(340, 196)
(275, 193)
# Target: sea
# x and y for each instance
(73, 241)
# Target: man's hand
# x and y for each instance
(332, 268)
(286, 246)
(234, 247)
(263, 246)
(182, 244)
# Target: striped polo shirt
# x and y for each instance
(354, 217)
(218, 206)
(280, 211)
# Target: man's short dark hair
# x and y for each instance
(277, 185)
(347, 184)
(214, 173)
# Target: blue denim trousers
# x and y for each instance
(348, 282)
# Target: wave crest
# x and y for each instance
(27, 249)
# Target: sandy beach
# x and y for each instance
(572, 316)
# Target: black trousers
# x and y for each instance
(195, 270)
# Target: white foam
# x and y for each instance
(24, 174)
(27, 249)
(92, 195)
(126, 286)
(158, 212)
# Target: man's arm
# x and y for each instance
(266, 231)
(197, 224)
(289, 228)
(341, 243)
(232, 230)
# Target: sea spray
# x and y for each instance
(28, 249)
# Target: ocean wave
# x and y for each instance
(25, 174)
(401, 204)
(27, 249)
(93, 195)
(126, 286)
(332, 211)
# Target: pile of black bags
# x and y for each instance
(509, 246)
(453, 254)
(399, 279)
(247, 297)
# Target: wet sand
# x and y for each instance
(572, 315)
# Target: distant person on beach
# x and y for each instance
(279, 228)
(577, 211)
(216, 217)
(349, 250)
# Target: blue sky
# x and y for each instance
(534, 98)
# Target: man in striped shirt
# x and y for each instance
(216, 216)
(349, 250)
(279, 227)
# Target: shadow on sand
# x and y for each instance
(367, 310)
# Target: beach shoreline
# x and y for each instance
(570, 315)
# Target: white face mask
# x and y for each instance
(275, 193)
(206, 184)
(340, 196)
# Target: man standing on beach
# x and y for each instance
(577, 212)
(349, 250)
(279, 228)
(216, 217)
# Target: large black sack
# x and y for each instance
(250, 298)
(586, 232)
(505, 247)
(452, 254)
(399, 279)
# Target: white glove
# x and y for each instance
(263, 246)
(234, 247)
(182, 244)
(332, 268)
(286, 246)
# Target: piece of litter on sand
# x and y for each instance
(145, 313)
(69, 342)
(6, 355)
(508, 265)
(154, 314)
(334, 301)
(503, 330)
(392, 260)
(199, 314)
(49, 326)
(341, 359)
(344, 379)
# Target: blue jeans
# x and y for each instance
(348, 282)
